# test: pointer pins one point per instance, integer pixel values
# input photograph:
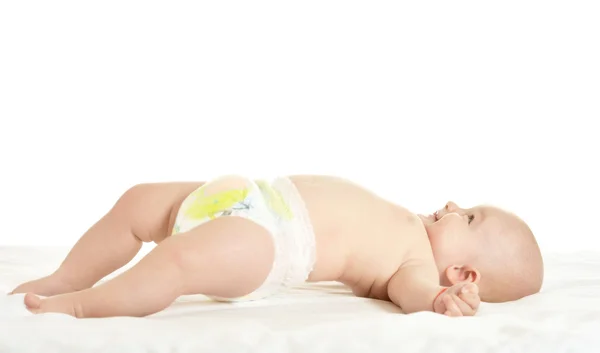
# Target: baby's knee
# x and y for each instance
(135, 195)
(131, 210)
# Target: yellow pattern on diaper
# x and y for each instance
(204, 206)
(275, 200)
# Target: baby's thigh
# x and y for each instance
(228, 257)
(225, 232)
(149, 209)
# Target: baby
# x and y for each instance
(235, 238)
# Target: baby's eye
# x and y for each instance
(471, 218)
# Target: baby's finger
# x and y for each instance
(451, 306)
(472, 300)
(465, 308)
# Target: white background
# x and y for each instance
(422, 102)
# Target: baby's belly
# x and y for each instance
(362, 256)
(331, 257)
(353, 230)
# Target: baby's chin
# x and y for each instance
(427, 219)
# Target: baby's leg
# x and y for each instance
(143, 214)
(226, 257)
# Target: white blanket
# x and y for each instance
(324, 317)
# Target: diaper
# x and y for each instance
(277, 206)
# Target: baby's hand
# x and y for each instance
(462, 299)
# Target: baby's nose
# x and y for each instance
(448, 208)
(440, 213)
(451, 206)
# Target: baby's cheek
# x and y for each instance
(444, 248)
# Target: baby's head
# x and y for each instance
(486, 245)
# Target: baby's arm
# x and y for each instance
(415, 287)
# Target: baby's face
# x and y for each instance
(485, 244)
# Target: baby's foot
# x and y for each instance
(57, 304)
(46, 286)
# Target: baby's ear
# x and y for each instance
(462, 273)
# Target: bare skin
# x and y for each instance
(377, 248)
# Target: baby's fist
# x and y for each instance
(462, 299)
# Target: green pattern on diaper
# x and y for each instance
(203, 206)
(275, 200)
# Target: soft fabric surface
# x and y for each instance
(324, 317)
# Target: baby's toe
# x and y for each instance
(32, 301)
